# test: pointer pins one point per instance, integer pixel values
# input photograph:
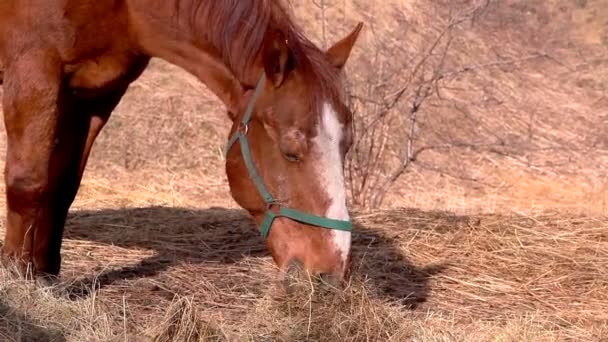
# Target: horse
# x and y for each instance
(67, 63)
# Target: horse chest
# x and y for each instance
(102, 72)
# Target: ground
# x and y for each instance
(471, 244)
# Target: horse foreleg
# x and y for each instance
(76, 134)
(50, 134)
(31, 116)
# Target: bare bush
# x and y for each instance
(390, 105)
(447, 96)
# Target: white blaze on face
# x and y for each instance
(331, 174)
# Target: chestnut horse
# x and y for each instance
(67, 63)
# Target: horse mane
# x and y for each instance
(238, 31)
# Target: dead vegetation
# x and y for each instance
(509, 241)
(418, 276)
(477, 94)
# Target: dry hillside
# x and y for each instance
(495, 231)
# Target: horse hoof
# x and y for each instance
(46, 281)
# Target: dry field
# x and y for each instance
(497, 232)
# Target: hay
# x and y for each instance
(418, 275)
(183, 323)
(145, 258)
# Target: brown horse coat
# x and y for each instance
(67, 63)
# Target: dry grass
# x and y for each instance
(170, 124)
(498, 123)
(423, 276)
(29, 313)
(498, 249)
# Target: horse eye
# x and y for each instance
(292, 157)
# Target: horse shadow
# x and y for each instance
(227, 236)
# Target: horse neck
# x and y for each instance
(161, 30)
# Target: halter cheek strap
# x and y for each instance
(241, 136)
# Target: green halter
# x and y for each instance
(296, 215)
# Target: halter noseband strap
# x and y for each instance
(270, 215)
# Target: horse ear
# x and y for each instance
(277, 58)
(339, 53)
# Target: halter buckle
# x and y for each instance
(243, 128)
(271, 204)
